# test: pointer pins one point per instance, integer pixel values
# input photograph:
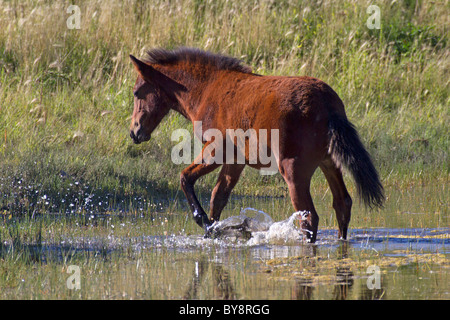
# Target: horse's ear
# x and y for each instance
(147, 72)
(153, 76)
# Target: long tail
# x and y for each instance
(347, 150)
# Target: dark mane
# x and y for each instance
(221, 62)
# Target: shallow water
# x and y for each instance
(275, 263)
(404, 255)
(411, 264)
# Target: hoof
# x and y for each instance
(217, 230)
(209, 231)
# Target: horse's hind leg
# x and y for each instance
(298, 178)
(342, 202)
(228, 177)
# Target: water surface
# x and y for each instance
(400, 252)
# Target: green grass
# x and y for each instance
(75, 190)
(66, 95)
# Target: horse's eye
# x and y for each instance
(135, 93)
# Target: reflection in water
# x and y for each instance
(267, 267)
(221, 281)
(199, 271)
(344, 283)
(344, 277)
(373, 294)
(303, 288)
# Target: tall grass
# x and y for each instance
(66, 98)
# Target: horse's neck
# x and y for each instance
(190, 100)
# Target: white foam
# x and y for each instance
(282, 232)
(235, 230)
(263, 229)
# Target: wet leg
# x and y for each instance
(188, 178)
(342, 202)
(298, 179)
(228, 177)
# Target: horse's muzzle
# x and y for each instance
(134, 137)
(139, 136)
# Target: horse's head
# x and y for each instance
(153, 97)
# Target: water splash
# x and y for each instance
(282, 232)
(258, 228)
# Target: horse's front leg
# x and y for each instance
(228, 177)
(189, 176)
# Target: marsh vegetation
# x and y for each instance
(75, 190)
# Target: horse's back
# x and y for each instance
(299, 107)
(255, 95)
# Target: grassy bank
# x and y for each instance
(66, 98)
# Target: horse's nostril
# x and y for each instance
(134, 137)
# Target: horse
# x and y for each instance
(223, 93)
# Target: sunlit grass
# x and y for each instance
(66, 97)
(66, 94)
(75, 190)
